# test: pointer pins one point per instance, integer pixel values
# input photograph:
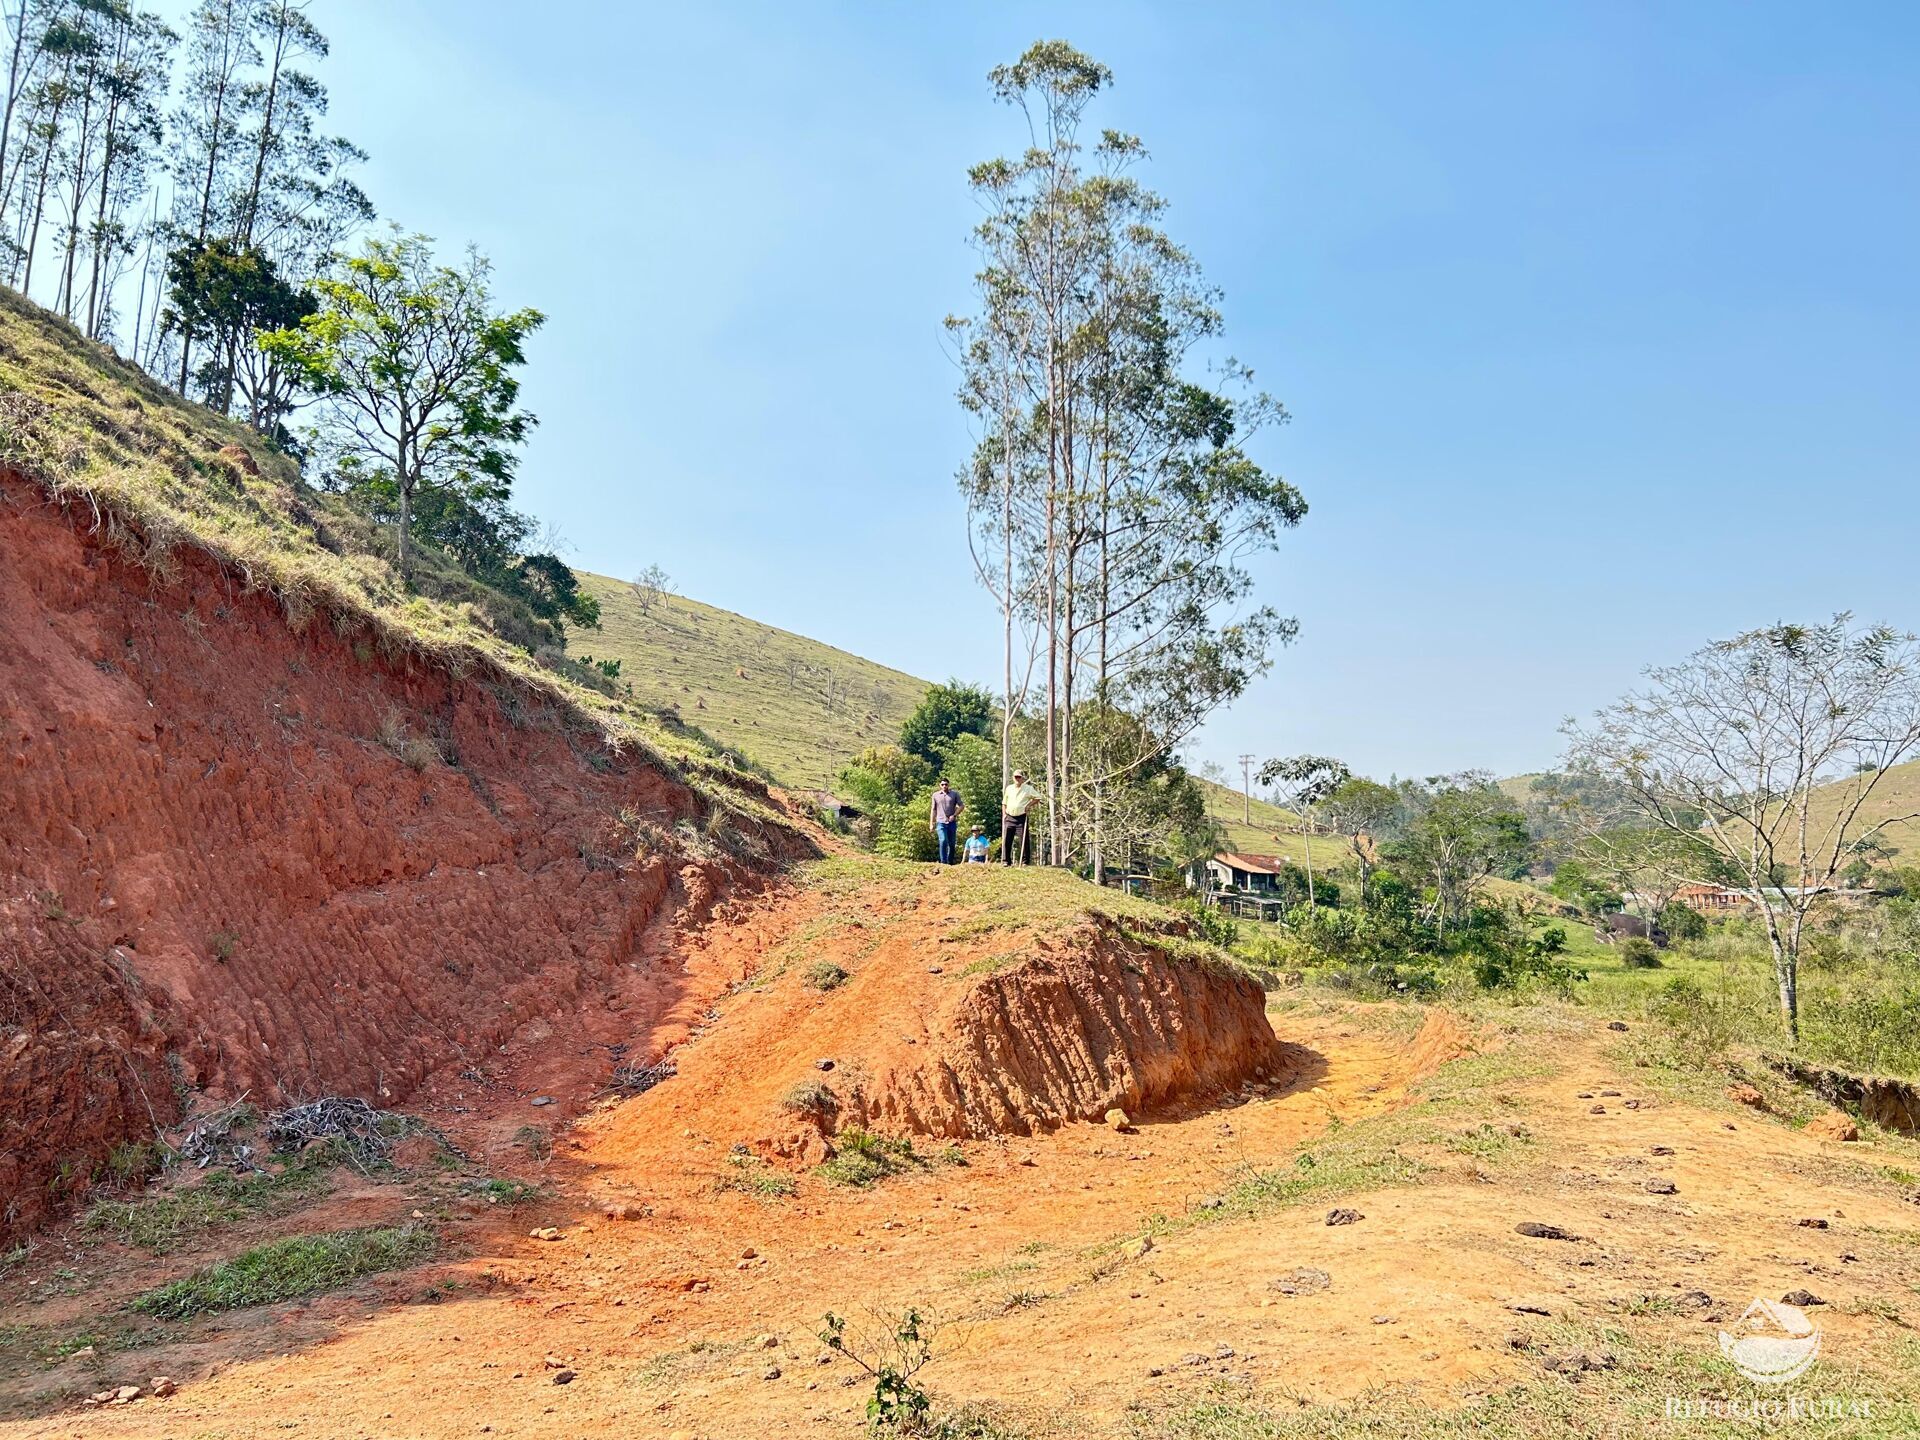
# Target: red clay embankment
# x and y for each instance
(238, 854)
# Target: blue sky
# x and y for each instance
(1598, 323)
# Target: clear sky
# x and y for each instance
(1598, 322)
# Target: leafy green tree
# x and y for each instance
(227, 293)
(1365, 814)
(884, 775)
(417, 371)
(948, 710)
(1575, 882)
(1460, 830)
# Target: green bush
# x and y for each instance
(902, 832)
(1639, 953)
(1210, 923)
(861, 1158)
(826, 975)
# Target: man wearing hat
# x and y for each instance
(1013, 819)
(976, 847)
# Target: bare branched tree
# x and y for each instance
(1767, 747)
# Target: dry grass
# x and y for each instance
(144, 468)
(751, 687)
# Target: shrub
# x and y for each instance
(753, 1176)
(860, 1158)
(1682, 923)
(1211, 924)
(810, 1097)
(1639, 953)
(826, 975)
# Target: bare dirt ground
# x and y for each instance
(1168, 1280)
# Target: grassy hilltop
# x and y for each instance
(797, 706)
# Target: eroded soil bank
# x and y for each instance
(242, 850)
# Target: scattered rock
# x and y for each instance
(1834, 1125)
(1620, 1025)
(767, 1342)
(1583, 1095)
(1813, 1222)
(85, 1352)
(1693, 1300)
(1117, 1120)
(542, 1100)
(772, 1372)
(1744, 1094)
(1343, 1216)
(1606, 1094)
(1212, 1202)
(161, 1386)
(823, 1064)
(627, 1210)
(1383, 1319)
(1660, 1185)
(544, 1232)
(1529, 1307)
(1576, 1362)
(1154, 1372)
(1536, 1230)
(1801, 1298)
(1659, 1150)
(563, 1377)
(1303, 1280)
(1597, 1110)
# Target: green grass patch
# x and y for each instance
(289, 1269)
(754, 1176)
(163, 1222)
(861, 1159)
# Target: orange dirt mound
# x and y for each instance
(1071, 1023)
(242, 854)
(1093, 1021)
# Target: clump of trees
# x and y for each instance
(176, 193)
(1112, 498)
(1154, 815)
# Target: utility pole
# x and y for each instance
(1246, 788)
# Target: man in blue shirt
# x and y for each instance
(945, 819)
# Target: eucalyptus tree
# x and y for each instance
(1115, 488)
(1765, 754)
(207, 136)
(416, 370)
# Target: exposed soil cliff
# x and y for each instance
(1091, 1020)
(242, 853)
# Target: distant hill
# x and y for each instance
(797, 706)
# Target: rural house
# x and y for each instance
(1254, 874)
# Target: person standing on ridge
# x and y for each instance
(1013, 819)
(945, 819)
(976, 848)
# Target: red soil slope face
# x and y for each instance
(240, 857)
